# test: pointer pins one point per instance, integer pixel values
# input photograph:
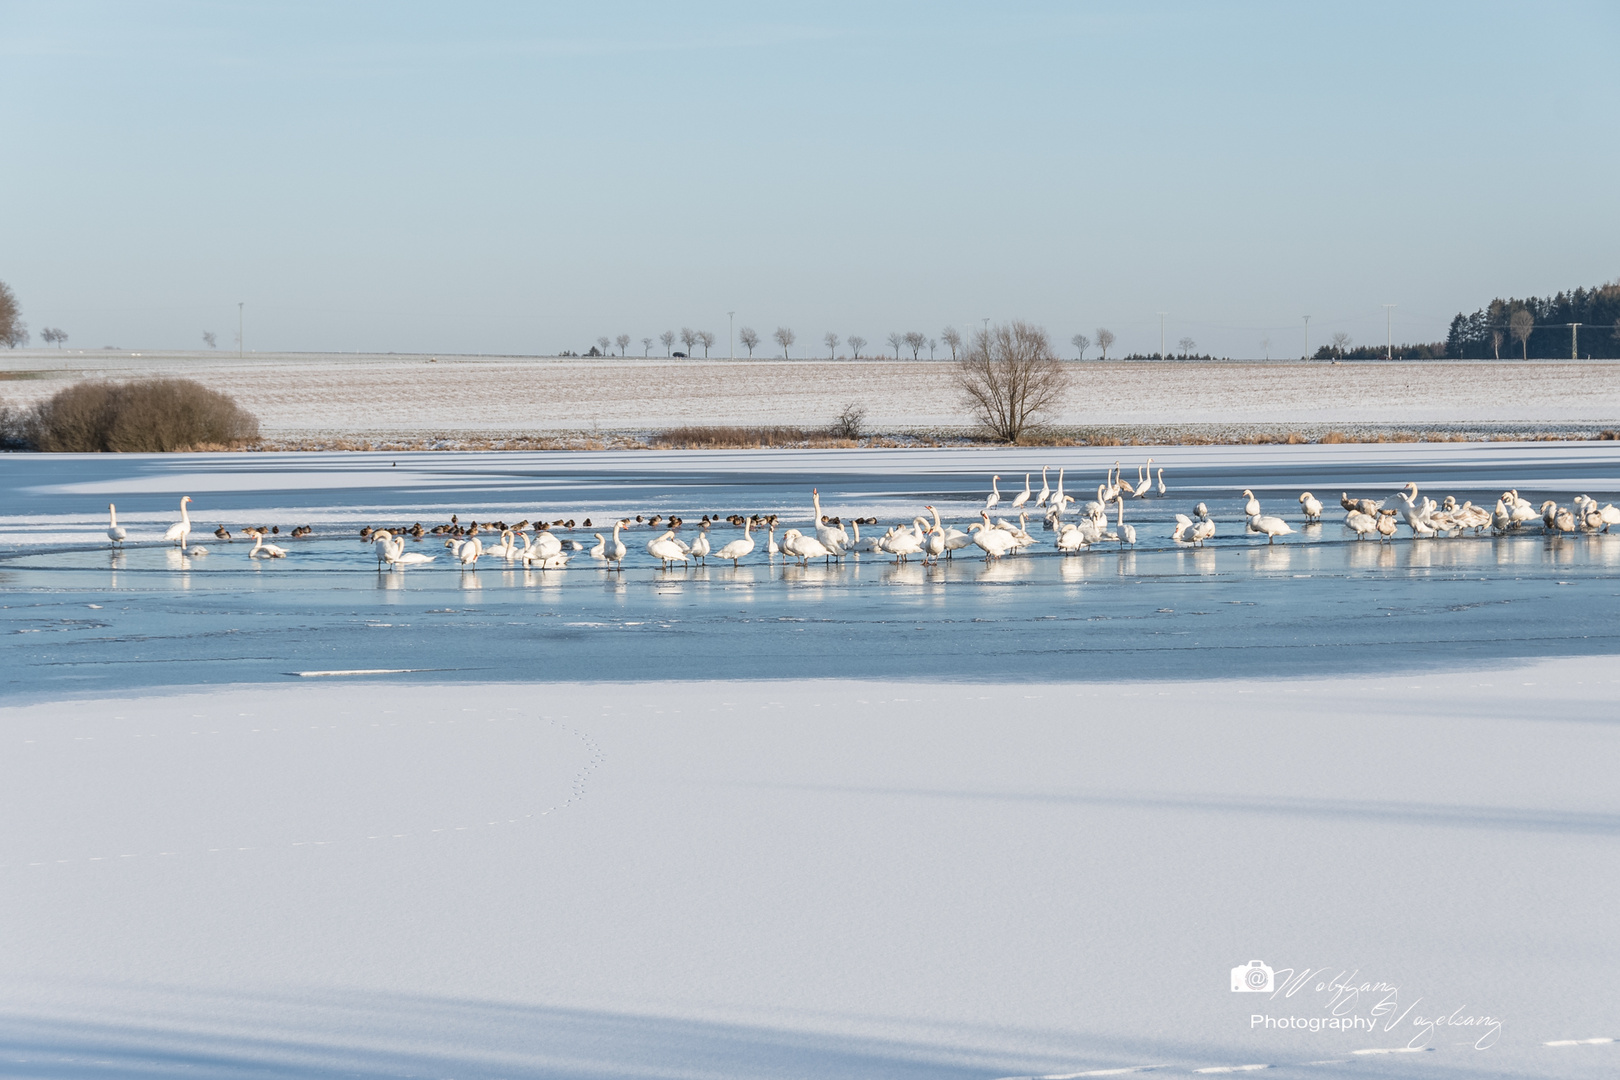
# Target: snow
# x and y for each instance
(307, 395)
(810, 878)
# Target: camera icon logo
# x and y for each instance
(1252, 978)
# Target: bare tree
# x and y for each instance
(689, 338)
(1496, 343)
(52, 336)
(208, 338)
(915, 341)
(602, 343)
(1082, 343)
(705, 339)
(1341, 342)
(1105, 338)
(1009, 378)
(1617, 329)
(1265, 344)
(668, 338)
(13, 331)
(646, 346)
(1187, 346)
(830, 340)
(855, 343)
(1520, 325)
(750, 338)
(932, 345)
(784, 338)
(951, 337)
(896, 339)
(621, 341)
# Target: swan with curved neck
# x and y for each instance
(180, 530)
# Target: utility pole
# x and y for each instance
(1574, 340)
(986, 321)
(1162, 314)
(240, 344)
(1307, 319)
(1389, 331)
(731, 336)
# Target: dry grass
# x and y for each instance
(724, 437)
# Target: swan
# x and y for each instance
(262, 550)
(1023, 496)
(1312, 506)
(992, 541)
(1270, 527)
(1071, 539)
(995, 494)
(469, 550)
(904, 543)
(1126, 533)
(700, 545)
(1144, 484)
(1162, 488)
(1110, 490)
(180, 530)
(1121, 483)
(115, 531)
(615, 548)
(1252, 507)
(400, 557)
(1057, 495)
(771, 548)
(666, 549)
(832, 537)
(738, 548)
(1362, 524)
(1186, 530)
(506, 549)
(804, 548)
(380, 541)
(955, 539)
(860, 545)
(545, 545)
(1046, 492)
(600, 550)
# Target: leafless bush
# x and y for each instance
(724, 437)
(850, 423)
(147, 416)
(1009, 378)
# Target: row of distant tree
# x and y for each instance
(1541, 327)
(913, 342)
(13, 331)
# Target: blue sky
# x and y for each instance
(524, 177)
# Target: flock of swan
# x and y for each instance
(1101, 520)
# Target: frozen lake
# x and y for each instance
(81, 618)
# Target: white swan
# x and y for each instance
(738, 548)
(1162, 488)
(469, 551)
(545, 545)
(262, 550)
(180, 530)
(804, 548)
(600, 550)
(904, 543)
(115, 531)
(1362, 524)
(1269, 527)
(1385, 522)
(1023, 496)
(955, 539)
(1252, 507)
(666, 549)
(1144, 484)
(861, 545)
(700, 545)
(1311, 505)
(1046, 492)
(772, 549)
(832, 537)
(1186, 530)
(1126, 533)
(992, 541)
(1071, 539)
(994, 496)
(400, 557)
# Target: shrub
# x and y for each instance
(850, 423)
(147, 416)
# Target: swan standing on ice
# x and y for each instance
(1269, 527)
(1311, 505)
(1046, 492)
(1362, 524)
(115, 531)
(1252, 507)
(611, 551)
(992, 541)
(666, 549)
(994, 496)
(1144, 484)
(180, 530)
(1162, 488)
(804, 548)
(1127, 533)
(738, 548)
(832, 537)
(1023, 496)
(700, 546)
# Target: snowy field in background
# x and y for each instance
(310, 395)
(810, 879)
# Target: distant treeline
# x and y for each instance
(1538, 327)
(1434, 350)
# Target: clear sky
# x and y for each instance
(525, 177)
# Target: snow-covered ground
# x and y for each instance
(817, 878)
(321, 395)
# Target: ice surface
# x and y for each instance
(807, 879)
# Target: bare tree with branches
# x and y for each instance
(210, 340)
(952, 337)
(1341, 342)
(646, 346)
(932, 345)
(668, 339)
(53, 336)
(1520, 325)
(830, 340)
(896, 340)
(689, 338)
(705, 339)
(784, 338)
(750, 339)
(855, 343)
(622, 341)
(1081, 343)
(602, 343)
(1187, 346)
(1265, 345)
(1105, 338)
(1010, 377)
(1496, 343)
(915, 342)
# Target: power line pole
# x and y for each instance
(731, 336)
(1307, 319)
(240, 344)
(1389, 331)
(1162, 314)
